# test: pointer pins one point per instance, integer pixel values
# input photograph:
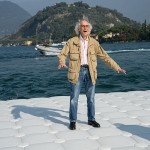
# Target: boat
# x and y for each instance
(53, 49)
(50, 49)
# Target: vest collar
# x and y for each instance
(77, 41)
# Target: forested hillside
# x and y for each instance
(59, 21)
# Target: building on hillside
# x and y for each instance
(28, 43)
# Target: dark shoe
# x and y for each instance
(94, 124)
(72, 126)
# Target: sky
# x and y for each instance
(137, 10)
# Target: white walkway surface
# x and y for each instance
(42, 123)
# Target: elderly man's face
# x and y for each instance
(84, 29)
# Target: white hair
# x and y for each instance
(77, 26)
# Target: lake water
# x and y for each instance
(25, 73)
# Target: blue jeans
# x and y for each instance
(84, 76)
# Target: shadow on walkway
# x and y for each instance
(141, 131)
(54, 115)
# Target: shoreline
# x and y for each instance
(107, 42)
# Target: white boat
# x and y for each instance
(53, 49)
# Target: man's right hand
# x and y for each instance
(62, 66)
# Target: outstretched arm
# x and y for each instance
(62, 56)
(109, 61)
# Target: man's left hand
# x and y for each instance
(121, 71)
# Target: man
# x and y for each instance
(83, 52)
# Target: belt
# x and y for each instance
(85, 66)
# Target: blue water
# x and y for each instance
(25, 73)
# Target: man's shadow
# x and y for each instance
(140, 131)
(53, 115)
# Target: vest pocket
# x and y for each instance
(74, 56)
(71, 74)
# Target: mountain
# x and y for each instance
(134, 9)
(11, 17)
(59, 21)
